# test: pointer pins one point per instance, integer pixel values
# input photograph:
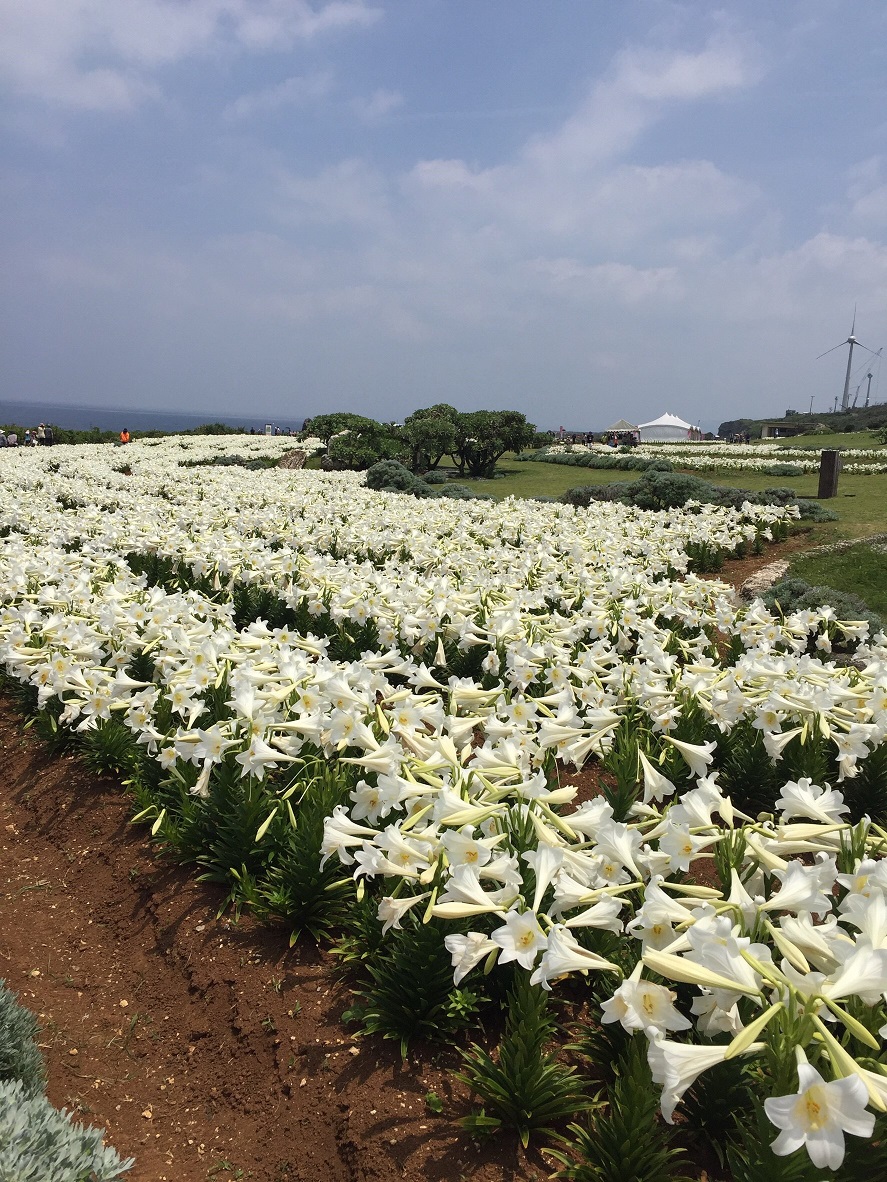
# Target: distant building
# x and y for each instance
(622, 432)
(781, 430)
(668, 429)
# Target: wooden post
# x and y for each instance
(829, 467)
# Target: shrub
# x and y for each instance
(813, 511)
(662, 488)
(363, 444)
(624, 459)
(792, 595)
(40, 1144)
(236, 461)
(392, 476)
(582, 496)
(435, 477)
(20, 1058)
(784, 470)
(667, 490)
(461, 492)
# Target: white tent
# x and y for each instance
(667, 429)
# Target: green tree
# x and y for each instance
(429, 438)
(483, 437)
(326, 426)
(364, 443)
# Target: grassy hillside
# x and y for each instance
(867, 418)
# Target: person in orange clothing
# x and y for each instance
(124, 435)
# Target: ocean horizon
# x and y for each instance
(80, 417)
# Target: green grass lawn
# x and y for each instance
(860, 569)
(841, 439)
(861, 503)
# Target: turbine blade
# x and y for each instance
(831, 350)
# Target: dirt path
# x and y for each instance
(207, 1050)
(735, 571)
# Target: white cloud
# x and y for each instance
(350, 193)
(871, 207)
(47, 44)
(69, 270)
(660, 75)
(608, 281)
(292, 92)
(867, 193)
(570, 181)
(379, 104)
(635, 95)
(827, 271)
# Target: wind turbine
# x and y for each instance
(851, 341)
(870, 375)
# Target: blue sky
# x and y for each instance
(581, 209)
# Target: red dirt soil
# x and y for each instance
(735, 571)
(207, 1050)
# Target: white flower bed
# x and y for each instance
(459, 656)
(715, 455)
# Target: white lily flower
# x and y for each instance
(806, 799)
(643, 1005)
(863, 974)
(818, 1115)
(467, 952)
(464, 896)
(564, 954)
(869, 914)
(520, 938)
(603, 915)
(545, 861)
(678, 1065)
(656, 785)
(392, 910)
(697, 756)
(801, 891)
(259, 756)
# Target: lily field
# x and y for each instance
(498, 754)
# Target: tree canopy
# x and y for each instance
(483, 437)
(475, 440)
(429, 438)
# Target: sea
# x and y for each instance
(81, 418)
